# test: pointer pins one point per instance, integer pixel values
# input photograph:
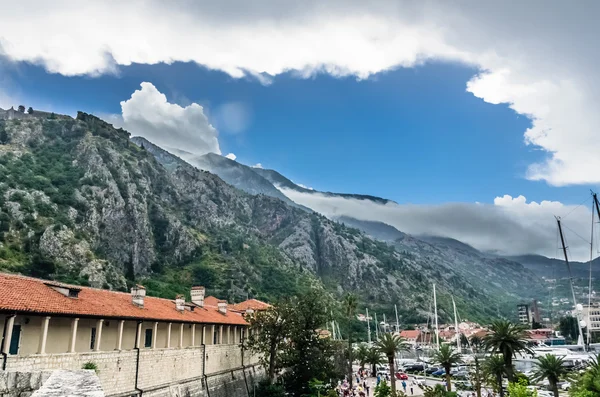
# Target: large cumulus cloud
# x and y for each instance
(148, 113)
(540, 57)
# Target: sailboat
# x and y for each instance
(578, 307)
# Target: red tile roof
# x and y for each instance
(211, 301)
(253, 304)
(410, 334)
(31, 295)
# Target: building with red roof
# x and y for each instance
(42, 316)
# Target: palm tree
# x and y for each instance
(550, 367)
(464, 341)
(447, 357)
(389, 345)
(493, 367)
(350, 304)
(362, 354)
(475, 342)
(590, 380)
(374, 358)
(507, 339)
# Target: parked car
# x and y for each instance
(439, 372)
(414, 368)
(566, 386)
(460, 374)
(431, 370)
(401, 376)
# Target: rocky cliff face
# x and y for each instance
(79, 202)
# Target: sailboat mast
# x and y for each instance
(376, 328)
(397, 323)
(456, 326)
(437, 331)
(589, 333)
(368, 327)
(564, 248)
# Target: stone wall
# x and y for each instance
(161, 372)
(22, 384)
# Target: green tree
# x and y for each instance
(389, 345)
(552, 368)
(3, 136)
(447, 357)
(569, 328)
(494, 369)
(350, 304)
(506, 338)
(588, 384)
(268, 332)
(374, 358)
(519, 389)
(306, 356)
(362, 355)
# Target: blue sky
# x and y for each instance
(429, 103)
(412, 135)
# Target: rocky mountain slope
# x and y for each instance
(80, 202)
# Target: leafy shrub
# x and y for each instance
(90, 365)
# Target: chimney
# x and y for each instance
(249, 312)
(180, 302)
(137, 295)
(198, 296)
(222, 305)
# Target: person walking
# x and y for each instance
(404, 386)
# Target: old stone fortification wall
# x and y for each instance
(161, 372)
(22, 384)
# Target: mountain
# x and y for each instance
(238, 175)
(81, 203)
(379, 230)
(556, 268)
(453, 244)
(279, 180)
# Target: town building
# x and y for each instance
(591, 316)
(136, 341)
(523, 314)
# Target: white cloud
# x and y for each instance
(538, 56)
(148, 114)
(304, 186)
(510, 226)
(231, 156)
(257, 165)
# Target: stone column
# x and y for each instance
(10, 322)
(228, 333)
(98, 334)
(181, 335)
(138, 333)
(154, 333)
(43, 335)
(73, 337)
(220, 335)
(169, 335)
(204, 335)
(193, 335)
(120, 334)
(235, 340)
